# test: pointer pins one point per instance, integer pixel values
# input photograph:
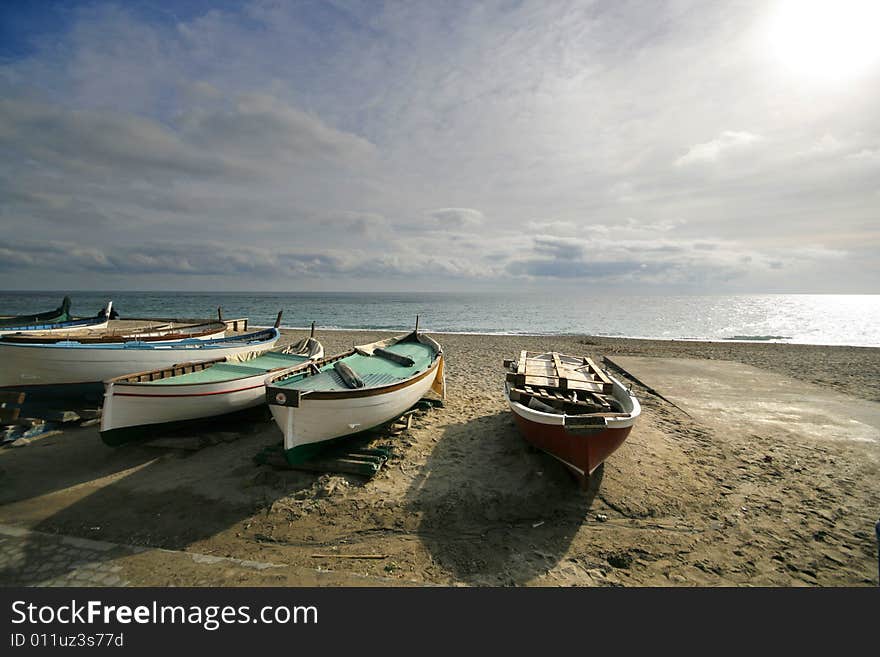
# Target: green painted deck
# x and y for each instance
(374, 370)
(230, 371)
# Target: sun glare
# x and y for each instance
(828, 40)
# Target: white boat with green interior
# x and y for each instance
(354, 391)
(147, 403)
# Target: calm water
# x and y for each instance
(810, 319)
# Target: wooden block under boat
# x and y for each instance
(13, 397)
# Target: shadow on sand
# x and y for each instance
(175, 499)
(493, 509)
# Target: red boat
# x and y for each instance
(570, 408)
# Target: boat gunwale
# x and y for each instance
(167, 334)
(353, 393)
(85, 322)
(168, 372)
(559, 418)
(45, 317)
(181, 345)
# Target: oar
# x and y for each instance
(650, 390)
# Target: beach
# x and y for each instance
(688, 500)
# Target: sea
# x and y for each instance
(786, 318)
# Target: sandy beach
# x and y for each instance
(465, 501)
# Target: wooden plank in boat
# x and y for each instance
(557, 363)
(518, 378)
(572, 374)
(543, 381)
(560, 371)
(587, 386)
(539, 367)
(598, 401)
(610, 415)
(521, 364)
(519, 381)
(555, 400)
(598, 372)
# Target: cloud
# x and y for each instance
(97, 142)
(628, 257)
(477, 141)
(261, 127)
(866, 155)
(207, 259)
(558, 227)
(727, 142)
(451, 219)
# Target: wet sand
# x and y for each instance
(465, 501)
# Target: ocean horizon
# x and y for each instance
(852, 320)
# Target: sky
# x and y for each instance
(613, 146)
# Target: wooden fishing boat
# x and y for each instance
(160, 333)
(71, 363)
(354, 391)
(570, 408)
(63, 327)
(56, 329)
(60, 314)
(147, 403)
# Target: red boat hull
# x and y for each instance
(581, 452)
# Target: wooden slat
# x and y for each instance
(598, 401)
(560, 371)
(556, 400)
(607, 414)
(521, 365)
(544, 381)
(538, 367)
(584, 384)
(598, 372)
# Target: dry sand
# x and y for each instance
(464, 500)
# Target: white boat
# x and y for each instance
(146, 403)
(570, 407)
(354, 391)
(60, 314)
(61, 327)
(158, 333)
(69, 363)
(57, 328)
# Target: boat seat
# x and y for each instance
(348, 375)
(237, 368)
(400, 359)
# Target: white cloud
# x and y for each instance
(727, 142)
(867, 155)
(341, 139)
(453, 218)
